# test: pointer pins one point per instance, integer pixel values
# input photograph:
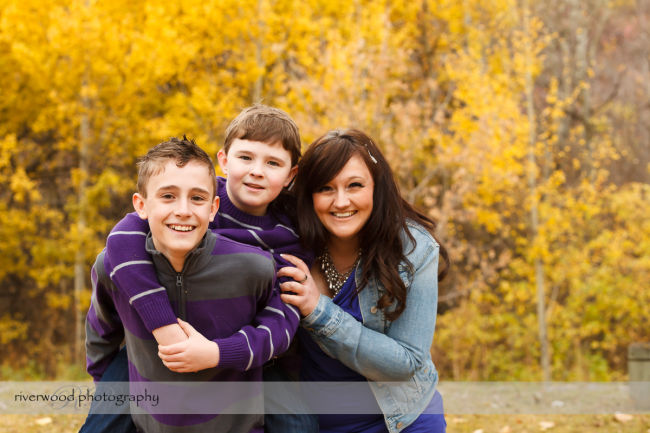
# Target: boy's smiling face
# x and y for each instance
(257, 172)
(179, 204)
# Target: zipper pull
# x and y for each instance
(182, 313)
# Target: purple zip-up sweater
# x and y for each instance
(226, 292)
(130, 266)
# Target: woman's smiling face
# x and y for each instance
(344, 204)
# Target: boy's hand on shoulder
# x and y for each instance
(194, 354)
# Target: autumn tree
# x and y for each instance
(522, 129)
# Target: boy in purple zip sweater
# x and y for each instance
(236, 317)
(260, 156)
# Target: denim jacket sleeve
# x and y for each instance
(404, 347)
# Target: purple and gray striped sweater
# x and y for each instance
(129, 265)
(227, 291)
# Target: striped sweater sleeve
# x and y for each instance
(130, 267)
(104, 330)
(280, 263)
(268, 336)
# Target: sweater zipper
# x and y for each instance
(182, 311)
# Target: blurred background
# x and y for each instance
(521, 126)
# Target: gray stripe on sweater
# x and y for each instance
(148, 292)
(294, 310)
(94, 340)
(143, 354)
(126, 233)
(275, 310)
(261, 242)
(254, 275)
(250, 361)
(233, 219)
(131, 263)
(252, 227)
(266, 328)
(288, 229)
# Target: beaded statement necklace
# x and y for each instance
(334, 278)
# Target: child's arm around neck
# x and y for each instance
(131, 269)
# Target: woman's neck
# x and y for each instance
(344, 253)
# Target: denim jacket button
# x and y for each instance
(400, 424)
(373, 309)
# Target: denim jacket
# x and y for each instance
(394, 356)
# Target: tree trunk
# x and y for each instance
(79, 260)
(259, 60)
(534, 208)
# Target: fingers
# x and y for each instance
(297, 274)
(293, 286)
(305, 304)
(171, 357)
(178, 367)
(291, 299)
(173, 349)
(289, 271)
(186, 327)
(296, 262)
(177, 362)
(300, 273)
(293, 293)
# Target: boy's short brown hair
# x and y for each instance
(182, 151)
(265, 124)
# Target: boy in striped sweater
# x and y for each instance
(222, 290)
(260, 155)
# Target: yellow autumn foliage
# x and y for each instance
(441, 85)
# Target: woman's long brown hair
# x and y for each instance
(380, 238)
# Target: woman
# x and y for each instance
(368, 303)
